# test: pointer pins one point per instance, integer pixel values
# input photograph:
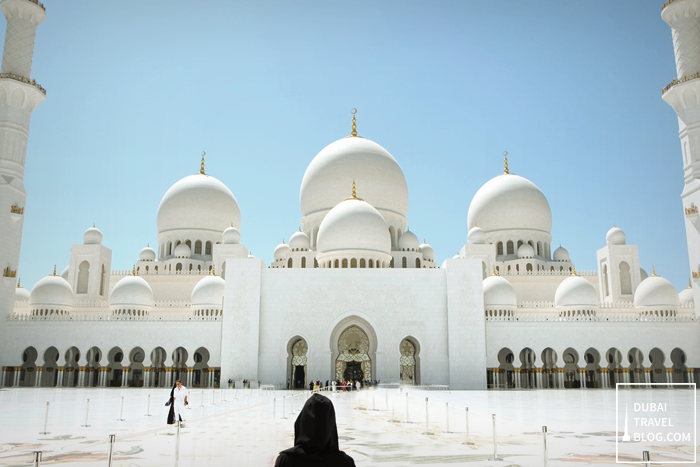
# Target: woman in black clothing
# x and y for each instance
(315, 438)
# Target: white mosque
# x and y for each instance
(353, 294)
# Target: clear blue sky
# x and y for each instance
(136, 90)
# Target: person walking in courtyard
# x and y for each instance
(358, 384)
(344, 384)
(333, 385)
(315, 438)
(177, 403)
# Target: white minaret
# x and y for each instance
(683, 94)
(19, 96)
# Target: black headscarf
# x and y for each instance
(171, 412)
(315, 438)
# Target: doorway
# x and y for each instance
(353, 371)
(299, 377)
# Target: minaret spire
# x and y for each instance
(505, 162)
(354, 123)
(201, 169)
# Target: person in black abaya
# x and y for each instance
(315, 438)
(171, 403)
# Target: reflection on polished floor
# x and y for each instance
(229, 427)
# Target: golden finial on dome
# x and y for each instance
(494, 271)
(354, 123)
(573, 272)
(133, 271)
(18, 281)
(213, 270)
(54, 269)
(283, 241)
(354, 193)
(653, 271)
(690, 286)
(201, 169)
(93, 225)
(505, 163)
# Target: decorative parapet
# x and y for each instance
(536, 305)
(36, 2)
(164, 272)
(16, 210)
(106, 317)
(683, 79)
(688, 305)
(565, 272)
(7, 272)
(91, 304)
(616, 305)
(667, 4)
(172, 304)
(605, 317)
(22, 79)
(22, 304)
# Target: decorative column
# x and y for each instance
(37, 379)
(211, 377)
(103, 376)
(538, 376)
(582, 377)
(147, 377)
(517, 378)
(168, 376)
(125, 376)
(81, 377)
(189, 375)
(561, 378)
(647, 377)
(15, 380)
(669, 376)
(4, 375)
(59, 380)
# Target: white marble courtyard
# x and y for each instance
(241, 429)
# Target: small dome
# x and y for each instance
(182, 251)
(499, 293)
(131, 291)
(427, 251)
(685, 297)
(147, 254)
(299, 240)
(282, 251)
(476, 236)
(456, 256)
(643, 274)
(408, 241)
(575, 291)
(92, 236)
(561, 254)
(526, 251)
(510, 202)
(52, 291)
(198, 202)
(21, 294)
(250, 255)
(615, 236)
(354, 225)
(208, 292)
(65, 272)
(231, 236)
(656, 292)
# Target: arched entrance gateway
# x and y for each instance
(408, 362)
(299, 361)
(353, 361)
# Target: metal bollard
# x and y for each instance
(37, 459)
(291, 405)
(121, 412)
(213, 394)
(148, 406)
(427, 431)
(447, 417)
(177, 444)
(645, 458)
(284, 403)
(274, 407)
(495, 446)
(201, 398)
(373, 394)
(407, 418)
(46, 421)
(544, 440)
(386, 402)
(466, 411)
(112, 439)
(87, 411)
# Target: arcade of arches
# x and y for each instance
(111, 369)
(595, 370)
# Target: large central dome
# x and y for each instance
(198, 202)
(510, 202)
(333, 170)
